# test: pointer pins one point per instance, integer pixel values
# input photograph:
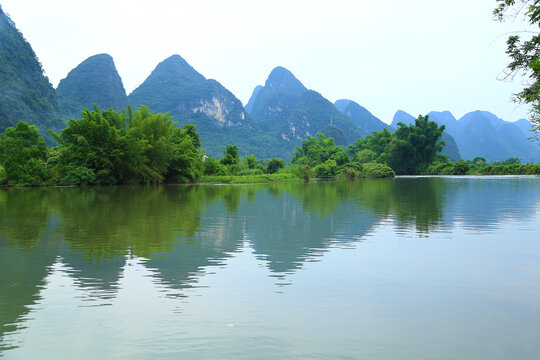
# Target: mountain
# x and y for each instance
(451, 148)
(445, 118)
(249, 105)
(365, 120)
(342, 104)
(94, 81)
(402, 117)
(525, 126)
(335, 133)
(481, 133)
(25, 93)
(287, 110)
(176, 87)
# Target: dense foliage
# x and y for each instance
(409, 150)
(103, 148)
(326, 160)
(524, 55)
(479, 166)
(23, 154)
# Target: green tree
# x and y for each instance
(23, 155)
(107, 147)
(230, 155)
(524, 53)
(479, 161)
(376, 143)
(274, 165)
(317, 150)
(250, 161)
(92, 150)
(365, 156)
(151, 136)
(186, 164)
(414, 147)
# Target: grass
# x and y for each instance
(250, 179)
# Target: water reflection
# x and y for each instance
(182, 232)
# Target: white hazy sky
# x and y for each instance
(415, 55)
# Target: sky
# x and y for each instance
(416, 55)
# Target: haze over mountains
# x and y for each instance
(481, 133)
(278, 116)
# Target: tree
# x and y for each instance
(376, 143)
(23, 154)
(317, 150)
(524, 54)
(414, 147)
(107, 147)
(250, 159)
(92, 150)
(230, 155)
(274, 165)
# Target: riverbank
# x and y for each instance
(249, 179)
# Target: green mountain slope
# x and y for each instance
(176, 87)
(365, 120)
(94, 81)
(287, 110)
(482, 133)
(25, 93)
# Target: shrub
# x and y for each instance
(304, 172)
(378, 171)
(274, 165)
(326, 170)
(350, 171)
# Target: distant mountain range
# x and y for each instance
(284, 108)
(481, 133)
(277, 117)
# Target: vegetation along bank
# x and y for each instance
(107, 147)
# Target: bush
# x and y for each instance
(274, 165)
(365, 156)
(461, 167)
(76, 175)
(327, 170)
(250, 172)
(23, 154)
(378, 171)
(304, 172)
(213, 167)
(350, 171)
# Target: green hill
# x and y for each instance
(25, 93)
(176, 87)
(287, 110)
(94, 81)
(365, 120)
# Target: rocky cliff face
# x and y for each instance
(174, 86)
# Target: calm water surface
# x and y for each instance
(411, 268)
